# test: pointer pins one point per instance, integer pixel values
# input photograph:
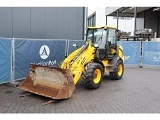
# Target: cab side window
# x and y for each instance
(112, 36)
(112, 47)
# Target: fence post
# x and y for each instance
(140, 64)
(12, 42)
(66, 49)
(13, 83)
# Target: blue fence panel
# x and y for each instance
(151, 53)
(41, 52)
(131, 51)
(5, 60)
(71, 48)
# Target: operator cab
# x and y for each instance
(105, 39)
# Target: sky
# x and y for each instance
(91, 4)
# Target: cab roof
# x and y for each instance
(100, 27)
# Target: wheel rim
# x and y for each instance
(97, 76)
(120, 69)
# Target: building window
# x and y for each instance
(92, 20)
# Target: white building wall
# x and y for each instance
(100, 17)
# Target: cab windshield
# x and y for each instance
(97, 36)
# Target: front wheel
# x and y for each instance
(92, 75)
(118, 71)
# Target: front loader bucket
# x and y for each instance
(52, 82)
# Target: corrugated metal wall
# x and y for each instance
(42, 22)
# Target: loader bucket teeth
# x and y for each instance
(52, 82)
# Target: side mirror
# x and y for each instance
(96, 45)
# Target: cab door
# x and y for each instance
(111, 43)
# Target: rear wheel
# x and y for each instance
(92, 75)
(118, 72)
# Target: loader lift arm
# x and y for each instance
(77, 60)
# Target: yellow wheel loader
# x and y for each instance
(88, 63)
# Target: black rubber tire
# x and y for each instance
(89, 74)
(114, 75)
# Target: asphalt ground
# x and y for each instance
(137, 92)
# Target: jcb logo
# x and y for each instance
(44, 52)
